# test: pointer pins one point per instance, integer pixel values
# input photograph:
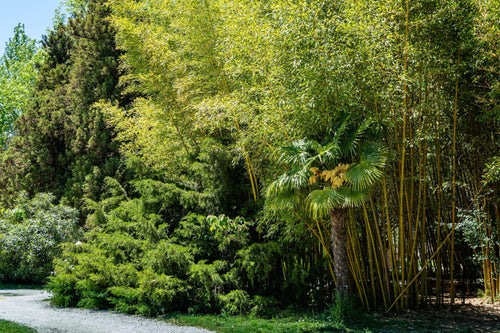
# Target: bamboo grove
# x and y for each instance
(215, 93)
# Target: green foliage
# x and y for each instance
(473, 233)
(79, 68)
(336, 173)
(471, 226)
(130, 259)
(153, 295)
(138, 257)
(31, 232)
(492, 170)
(17, 79)
(10, 327)
(194, 96)
(487, 32)
(236, 302)
(263, 306)
(345, 310)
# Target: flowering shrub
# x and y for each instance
(30, 234)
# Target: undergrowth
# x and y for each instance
(303, 322)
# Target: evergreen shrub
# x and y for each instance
(135, 258)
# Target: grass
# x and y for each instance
(343, 316)
(305, 323)
(10, 327)
(243, 324)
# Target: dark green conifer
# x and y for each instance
(64, 144)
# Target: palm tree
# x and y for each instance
(326, 179)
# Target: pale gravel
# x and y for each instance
(31, 308)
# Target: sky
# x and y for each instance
(35, 14)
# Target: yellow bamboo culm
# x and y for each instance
(385, 281)
(488, 265)
(438, 250)
(402, 230)
(493, 266)
(424, 226)
(356, 265)
(392, 251)
(454, 190)
(497, 220)
(371, 257)
(319, 235)
(440, 222)
(372, 240)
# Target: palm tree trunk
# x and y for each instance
(338, 218)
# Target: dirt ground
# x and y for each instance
(476, 315)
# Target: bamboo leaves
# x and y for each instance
(246, 77)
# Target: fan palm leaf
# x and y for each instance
(320, 202)
(298, 152)
(368, 170)
(295, 179)
(285, 200)
(350, 143)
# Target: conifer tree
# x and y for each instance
(64, 144)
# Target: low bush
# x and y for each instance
(136, 260)
(30, 234)
(236, 302)
(345, 309)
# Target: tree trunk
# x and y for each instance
(338, 218)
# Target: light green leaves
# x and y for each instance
(17, 79)
(492, 171)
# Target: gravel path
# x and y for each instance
(30, 308)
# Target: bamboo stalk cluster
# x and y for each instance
(268, 73)
(433, 218)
